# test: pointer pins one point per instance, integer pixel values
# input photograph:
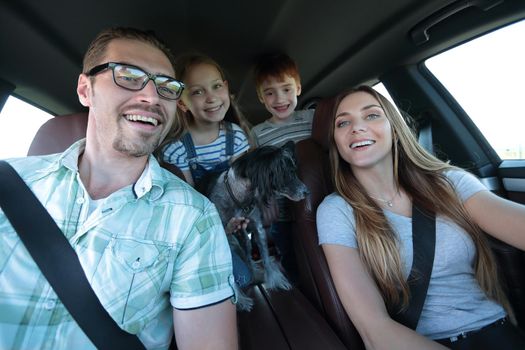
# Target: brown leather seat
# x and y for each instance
(58, 133)
(314, 276)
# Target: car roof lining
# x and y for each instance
(331, 55)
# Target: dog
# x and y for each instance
(252, 182)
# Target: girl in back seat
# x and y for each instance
(209, 133)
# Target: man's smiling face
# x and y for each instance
(130, 122)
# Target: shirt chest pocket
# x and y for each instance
(138, 256)
(133, 279)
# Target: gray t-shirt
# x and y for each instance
(298, 127)
(455, 303)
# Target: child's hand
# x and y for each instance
(236, 224)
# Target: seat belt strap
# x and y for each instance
(423, 243)
(59, 262)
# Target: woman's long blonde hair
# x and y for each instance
(183, 119)
(421, 175)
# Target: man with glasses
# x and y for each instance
(152, 248)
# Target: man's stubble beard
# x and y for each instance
(137, 148)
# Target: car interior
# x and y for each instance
(337, 45)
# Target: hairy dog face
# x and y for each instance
(271, 171)
(255, 180)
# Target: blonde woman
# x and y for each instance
(365, 229)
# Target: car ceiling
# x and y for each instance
(336, 43)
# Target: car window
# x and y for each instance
(19, 122)
(379, 87)
(487, 76)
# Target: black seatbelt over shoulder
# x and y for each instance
(423, 243)
(59, 263)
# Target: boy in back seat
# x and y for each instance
(278, 85)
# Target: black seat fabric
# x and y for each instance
(314, 276)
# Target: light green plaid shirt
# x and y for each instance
(143, 248)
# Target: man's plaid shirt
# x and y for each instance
(146, 248)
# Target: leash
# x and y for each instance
(246, 209)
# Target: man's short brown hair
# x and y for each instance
(276, 66)
(97, 48)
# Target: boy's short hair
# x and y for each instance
(277, 65)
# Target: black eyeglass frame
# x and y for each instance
(111, 65)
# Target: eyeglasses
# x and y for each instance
(134, 78)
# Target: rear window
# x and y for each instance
(19, 122)
(486, 76)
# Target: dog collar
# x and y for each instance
(246, 209)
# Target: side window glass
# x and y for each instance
(19, 122)
(379, 87)
(486, 76)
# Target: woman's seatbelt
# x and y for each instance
(423, 243)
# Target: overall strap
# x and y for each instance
(191, 155)
(229, 135)
(423, 243)
(187, 141)
(59, 262)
